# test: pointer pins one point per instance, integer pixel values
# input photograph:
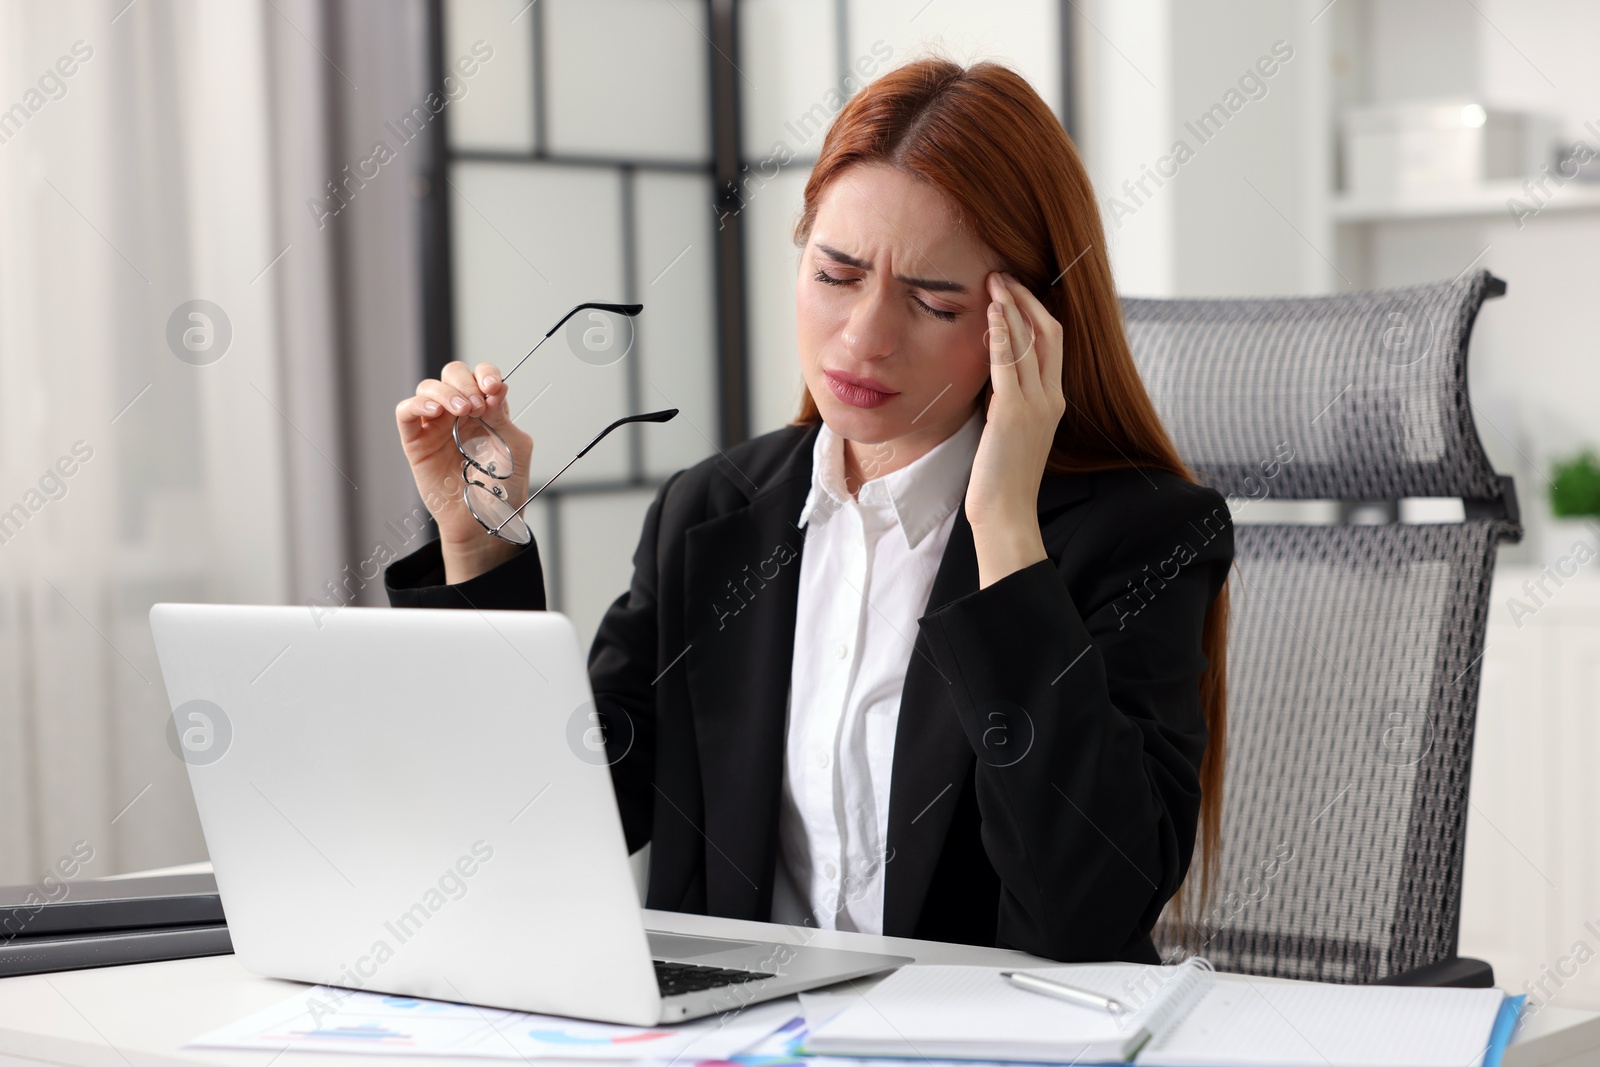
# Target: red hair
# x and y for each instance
(982, 135)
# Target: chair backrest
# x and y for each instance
(1352, 649)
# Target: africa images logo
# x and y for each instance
(199, 332)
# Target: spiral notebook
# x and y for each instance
(1180, 1016)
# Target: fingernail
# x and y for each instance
(457, 405)
(490, 382)
(431, 408)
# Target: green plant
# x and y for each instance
(1576, 489)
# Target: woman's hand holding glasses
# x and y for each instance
(427, 423)
(470, 460)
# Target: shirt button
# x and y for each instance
(841, 650)
(822, 759)
(831, 871)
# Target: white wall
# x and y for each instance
(1124, 84)
(1238, 205)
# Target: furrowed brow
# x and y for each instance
(932, 285)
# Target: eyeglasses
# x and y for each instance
(600, 338)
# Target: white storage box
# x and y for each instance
(1420, 145)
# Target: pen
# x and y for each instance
(1035, 984)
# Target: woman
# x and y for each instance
(944, 657)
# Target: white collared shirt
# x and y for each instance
(865, 575)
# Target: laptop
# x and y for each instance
(417, 801)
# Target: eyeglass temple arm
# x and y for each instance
(664, 415)
(629, 310)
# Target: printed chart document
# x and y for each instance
(1179, 1016)
(326, 1019)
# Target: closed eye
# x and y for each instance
(943, 316)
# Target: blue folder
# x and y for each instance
(1500, 1033)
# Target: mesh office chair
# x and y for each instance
(1353, 649)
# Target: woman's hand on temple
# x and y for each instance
(1024, 348)
(425, 421)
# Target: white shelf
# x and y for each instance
(1488, 199)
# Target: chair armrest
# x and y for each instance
(1462, 971)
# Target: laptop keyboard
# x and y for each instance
(675, 978)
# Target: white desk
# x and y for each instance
(141, 1015)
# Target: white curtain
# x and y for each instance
(154, 154)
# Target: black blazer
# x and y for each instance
(1045, 788)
